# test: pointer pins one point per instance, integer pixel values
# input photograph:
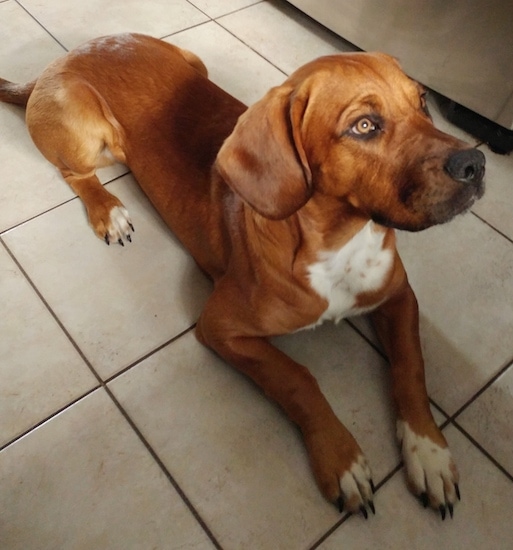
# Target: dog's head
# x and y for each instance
(356, 128)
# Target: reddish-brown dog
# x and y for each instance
(288, 206)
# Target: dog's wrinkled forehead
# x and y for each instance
(345, 80)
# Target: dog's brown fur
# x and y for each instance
(258, 196)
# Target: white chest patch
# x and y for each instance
(339, 276)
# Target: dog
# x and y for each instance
(289, 206)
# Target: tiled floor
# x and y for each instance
(119, 431)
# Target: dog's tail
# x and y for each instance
(18, 94)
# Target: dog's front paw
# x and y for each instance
(112, 223)
(430, 469)
(119, 226)
(341, 470)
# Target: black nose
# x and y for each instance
(467, 166)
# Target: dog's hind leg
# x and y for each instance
(74, 128)
(195, 61)
(107, 215)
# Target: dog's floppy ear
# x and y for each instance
(263, 160)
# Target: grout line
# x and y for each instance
(35, 216)
(195, 26)
(491, 381)
(375, 347)
(48, 418)
(329, 532)
(52, 313)
(510, 239)
(228, 13)
(19, 2)
(199, 9)
(164, 469)
(447, 418)
(149, 354)
(216, 21)
(476, 444)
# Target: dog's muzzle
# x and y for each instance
(467, 166)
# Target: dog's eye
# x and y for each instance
(364, 126)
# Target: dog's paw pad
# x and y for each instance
(119, 227)
(430, 470)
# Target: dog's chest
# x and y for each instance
(360, 266)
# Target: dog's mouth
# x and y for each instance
(434, 192)
(438, 205)
(459, 203)
(466, 171)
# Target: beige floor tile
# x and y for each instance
(40, 370)
(462, 275)
(29, 184)
(117, 303)
(73, 23)
(228, 60)
(488, 420)
(26, 47)
(496, 206)
(84, 480)
(481, 520)
(282, 34)
(239, 460)
(216, 8)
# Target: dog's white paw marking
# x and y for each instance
(120, 226)
(430, 469)
(357, 488)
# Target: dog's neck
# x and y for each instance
(328, 223)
